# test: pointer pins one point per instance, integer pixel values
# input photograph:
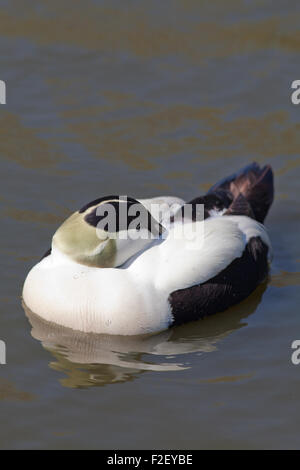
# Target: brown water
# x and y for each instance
(147, 98)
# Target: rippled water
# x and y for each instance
(144, 98)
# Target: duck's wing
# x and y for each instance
(231, 261)
(232, 285)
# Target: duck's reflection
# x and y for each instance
(90, 359)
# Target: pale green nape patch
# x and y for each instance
(79, 240)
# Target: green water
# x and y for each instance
(147, 98)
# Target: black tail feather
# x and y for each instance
(251, 190)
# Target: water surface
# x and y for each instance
(147, 98)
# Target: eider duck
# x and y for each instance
(124, 266)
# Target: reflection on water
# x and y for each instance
(90, 359)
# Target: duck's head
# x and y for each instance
(107, 232)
